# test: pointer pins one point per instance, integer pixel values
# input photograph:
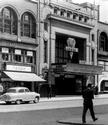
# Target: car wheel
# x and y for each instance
(8, 102)
(36, 100)
(18, 102)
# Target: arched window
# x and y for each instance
(8, 21)
(28, 25)
(103, 45)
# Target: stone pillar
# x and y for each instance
(19, 31)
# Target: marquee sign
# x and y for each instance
(71, 46)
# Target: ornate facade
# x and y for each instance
(56, 39)
(18, 43)
(68, 67)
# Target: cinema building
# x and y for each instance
(18, 44)
(54, 40)
(69, 44)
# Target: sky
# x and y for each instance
(103, 7)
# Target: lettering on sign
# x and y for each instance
(18, 68)
(71, 46)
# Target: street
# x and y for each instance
(48, 112)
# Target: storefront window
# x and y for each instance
(104, 86)
(17, 56)
(5, 54)
(29, 57)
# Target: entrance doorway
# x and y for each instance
(65, 86)
(69, 86)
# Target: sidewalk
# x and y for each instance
(102, 120)
(61, 98)
(67, 98)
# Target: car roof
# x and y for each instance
(18, 88)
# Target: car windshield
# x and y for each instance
(11, 91)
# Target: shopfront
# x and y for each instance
(71, 79)
(17, 75)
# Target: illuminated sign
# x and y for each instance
(71, 46)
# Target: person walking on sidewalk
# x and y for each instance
(88, 95)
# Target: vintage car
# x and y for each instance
(19, 95)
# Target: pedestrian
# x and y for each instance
(88, 96)
(49, 91)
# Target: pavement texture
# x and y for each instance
(102, 118)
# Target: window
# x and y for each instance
(74, 16)
(61, 55)
(86, 19)
(8, 21)
(62, 13)
(11, 91)
(92, 37)
(29, 57)
(106, 66)
(103, 45)
(27, 90)
(17, 56)
(68, 14)
(80, 17)
(28, 25)
(55, 11)
(92, 56)
(45, 26)
(21, 91)
(45, 51)
(5, 54)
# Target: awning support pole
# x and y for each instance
(33, 86)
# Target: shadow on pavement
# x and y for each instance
(70, 123)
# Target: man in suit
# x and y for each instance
(88, 95)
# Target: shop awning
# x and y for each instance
(20, 76)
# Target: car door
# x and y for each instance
(21, 94)
(28, 94)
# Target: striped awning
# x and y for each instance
(21, 76)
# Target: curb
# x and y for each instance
(45, 99)
(102, 96)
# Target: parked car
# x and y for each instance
(19, 95)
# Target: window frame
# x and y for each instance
(28, 28)
(9, 23)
